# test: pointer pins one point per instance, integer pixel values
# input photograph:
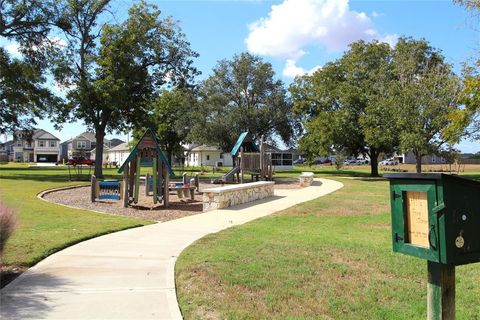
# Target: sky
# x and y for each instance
(299, 36)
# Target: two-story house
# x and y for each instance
(6, 151)
(41, 146)
(84, 146)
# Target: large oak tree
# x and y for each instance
(242, 94)
(344, 105)
(115, 70)
(24, 89)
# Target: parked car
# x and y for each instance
(362, 161)
(350, 162)
(299, 161)
(389, 162)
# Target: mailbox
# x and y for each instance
(436, 217)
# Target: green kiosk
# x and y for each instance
(436, 217)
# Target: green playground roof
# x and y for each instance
(134, 151)
(247, 141)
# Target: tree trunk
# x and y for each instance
(418, 165)
(373, 163)
(169, 156)
(99, 137)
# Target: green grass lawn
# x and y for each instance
(42, 227)
(330, 258)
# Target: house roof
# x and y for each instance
(116, 142)
(105, 148)
(205, 147)
(246, 141)
(42, 134)
(38, 134)
(90, 136)
(121, 147)
(147, 139)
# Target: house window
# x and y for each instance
(208, 157)
(221, 155)
(19, 143)
(433, 159)
(81, 144)
(53, 143)
(41, 143)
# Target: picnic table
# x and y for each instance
(183, 190)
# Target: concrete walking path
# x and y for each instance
(130, 274)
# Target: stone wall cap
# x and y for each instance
(235, 187)
(307, 174)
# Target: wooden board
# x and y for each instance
(417, 218)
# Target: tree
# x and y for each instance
(242, 94)
(344, 105)
(425, 94)
(170, 119)
(470, 96)
(114, 71)
(24, 94)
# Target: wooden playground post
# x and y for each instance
(184, 178)
(93, 191)
(197, 182)
(160, 179)
(242, 164)
(125, 185)
(165, 181)
(154, 179)
(137, 179)
(147, 184)
(131, 180)
(262, 159)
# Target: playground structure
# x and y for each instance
(248, 159)
(147, 152)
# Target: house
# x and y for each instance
(282, 159)
(204, 155)
(117, 154)
(409, 158)
(6, 151)
(84, 145)
(39, 146)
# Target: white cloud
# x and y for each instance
(291, 69)
(294, 24)
(391, 39)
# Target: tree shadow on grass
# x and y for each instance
(30, 296)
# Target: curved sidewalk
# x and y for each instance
(130, 274)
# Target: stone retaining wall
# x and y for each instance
(227, 196)
(306, 179)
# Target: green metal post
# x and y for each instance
(440, 291)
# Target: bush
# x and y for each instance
(8, 219)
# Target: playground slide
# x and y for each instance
(228, 177)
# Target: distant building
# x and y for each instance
(409, 158)
(117, 154)
(84, 145)
(282, 159)
(38, 146)
(204, 155)
(6, 151)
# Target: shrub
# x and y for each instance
(8, 219)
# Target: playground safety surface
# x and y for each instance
(178, 208)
